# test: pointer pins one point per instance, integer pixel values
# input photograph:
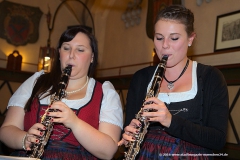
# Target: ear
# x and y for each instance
(59, 54)
(191, 38)
(92, 58)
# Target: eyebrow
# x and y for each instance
(66, 43)
(175, 34)
(170, 34)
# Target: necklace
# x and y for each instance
(71, 92)
(170, 84)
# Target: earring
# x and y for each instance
(189, 45)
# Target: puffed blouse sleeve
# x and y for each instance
(23, 93)
(111, 109)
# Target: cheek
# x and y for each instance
(180, 46)
(85, 58)
(158, 45)
(62, 56)
(62, 60)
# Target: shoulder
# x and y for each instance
(37, 74)
(205, 70)
(107, 86)
(201, 68)
(210, 73)
(33, 78)
(146, 71)
(144, 74)
(24, 91)
(111, 108)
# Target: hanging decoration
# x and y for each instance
(19, 24)
(131, 16)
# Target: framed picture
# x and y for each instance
(227, 31)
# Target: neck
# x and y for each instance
(75, 84)
(173, 72)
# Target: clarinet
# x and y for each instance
(134, 146)
(38, 148)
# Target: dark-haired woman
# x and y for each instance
(191, 114)
(88, 122)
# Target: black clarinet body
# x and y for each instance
(38, 148)
(134, 146)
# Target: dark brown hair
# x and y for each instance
(180, 14)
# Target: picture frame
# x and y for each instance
(227, 34)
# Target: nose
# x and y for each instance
(165, 44)
(71, 54)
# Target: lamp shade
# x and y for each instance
(45, 58)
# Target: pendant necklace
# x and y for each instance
(71, 92)
(170, 84)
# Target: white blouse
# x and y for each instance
(180, 96)
(111, 107)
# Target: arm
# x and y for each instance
(11, 131)
(102, 142)
(137, 93)
(135, 98)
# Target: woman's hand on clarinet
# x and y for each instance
(64, 114)
(37, 130)
(161, 113)
(129, 133)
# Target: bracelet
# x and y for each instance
(23, 142)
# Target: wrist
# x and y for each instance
(23, 142)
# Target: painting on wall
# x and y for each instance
(227, 31)
(19, 24)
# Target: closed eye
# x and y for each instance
(159, 39)
(80, 50)
(175, 39)
(66, 48)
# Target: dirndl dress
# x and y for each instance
(159, 145)
(62, 144)
(59, 150)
